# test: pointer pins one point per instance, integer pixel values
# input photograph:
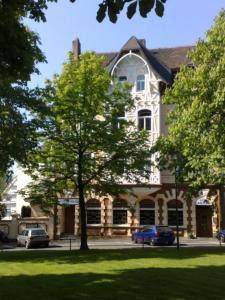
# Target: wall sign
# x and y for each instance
(68, 201)
(203, 202)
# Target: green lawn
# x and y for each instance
(159, 273)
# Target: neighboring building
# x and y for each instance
(11, 197)
(15, 220)
(149, 71)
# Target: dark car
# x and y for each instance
(3, 237)
(154, 235)
(221, 236)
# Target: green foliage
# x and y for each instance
(83, 150)
(114, 7)
(19, 55)
(197, 123)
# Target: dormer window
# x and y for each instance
(140, 83)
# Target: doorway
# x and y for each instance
(204, 221)
(69, 219)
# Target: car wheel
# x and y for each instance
(152, 242)
(27, 245)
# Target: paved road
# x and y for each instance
(114, 244)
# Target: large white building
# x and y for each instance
(150, 71)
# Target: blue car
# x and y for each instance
(221, 236)
(154, 235)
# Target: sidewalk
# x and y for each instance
(116, 243)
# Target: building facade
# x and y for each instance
(149, 71)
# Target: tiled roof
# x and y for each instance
(172, 58)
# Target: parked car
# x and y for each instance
(3, 237)
(154, 235)
(33, 237)
(221, 236)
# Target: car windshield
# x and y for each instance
(38, 232)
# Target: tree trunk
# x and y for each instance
(222, 207)
(55, 222)
(83, 236)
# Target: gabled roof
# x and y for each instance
(137, 46)
(164, 61)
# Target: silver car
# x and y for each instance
(33, 237)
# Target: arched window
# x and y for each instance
(147, 212)
(93, 212)
(144, 119)
(140, 83)
(119, 212)
(172, 214)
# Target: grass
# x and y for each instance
(141, 274)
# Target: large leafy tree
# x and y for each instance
(19, 54)
(86, 150)
(196, 135)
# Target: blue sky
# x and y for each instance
(183, 23)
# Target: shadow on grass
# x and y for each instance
(141, 284)
(77, 257)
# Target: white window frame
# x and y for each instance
(140, 83)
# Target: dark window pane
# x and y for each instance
(120, 203)
(122, 78)
(172, 217)
(147, 217)
(174, 203)
(147, 203)
(140, 123)
(148, 124)
(93, 203)
(93, 216)
(144, 113)
(119, 217)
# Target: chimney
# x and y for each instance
(76, 48)
(142, 42)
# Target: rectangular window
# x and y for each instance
(119, 216)
(140, 83)
(93, 216)
(147, 217)
(172, 217)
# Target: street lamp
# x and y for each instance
(176, 207)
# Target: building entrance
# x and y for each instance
(69, 219)
(204, 221)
